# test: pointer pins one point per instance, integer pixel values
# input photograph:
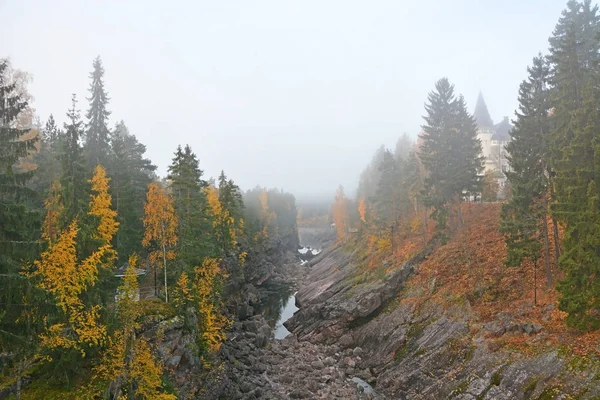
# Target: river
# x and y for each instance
(278, 306)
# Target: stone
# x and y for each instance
(173, 362)
(245, 387)
(300, 393)
(357, 352)
(349, 362)
(317, 365)
(329, 361)
(261, 341)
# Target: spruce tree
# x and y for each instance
(574, 56)
(130, 174)
(73, 180)
(524, 215)
(386, 198)
(18, 224)
(47, 158)
(450, 151)
(230, 197)
(187, 186)
(97, 135)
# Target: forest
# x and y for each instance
(99, 254)
(549, 215)
(94, 245)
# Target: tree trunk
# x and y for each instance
(535, 282)
(460, 216)
(18, 389)
(155, 283)
(547, 251)
(556, 240)
(165, 271)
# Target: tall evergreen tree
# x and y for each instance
(574, 56)
(386, 198)
(97, 135)
(187, 187)
(18, 224)
(130, 173)
(450, 151)
(47, 158)
(230, 197)
(524, 217)
(73, 180)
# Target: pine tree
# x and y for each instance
(73, 178)
(130, 173)
(187, 186)
(97, 135)
(230, 197)
(524, 216)
(450, 151)
(386, 198)
(574, 57)
(403, 148)
(19, 226)
(47, 158)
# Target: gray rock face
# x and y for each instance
(426, 352)
(331, 303)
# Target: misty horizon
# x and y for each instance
(276, 95)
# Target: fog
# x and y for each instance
(293, 95)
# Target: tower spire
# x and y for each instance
(481, 114)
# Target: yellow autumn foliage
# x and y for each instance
(160, 227)
(128, 363)
(223, 223)
(213, 324)
(146, 372)
(67, 278)
(183, 291)
(362, 210)
(100, 206)
(340, 214)
(54, 209)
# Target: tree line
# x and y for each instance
(553, 184)
(79, 201)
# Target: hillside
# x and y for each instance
(453, 322)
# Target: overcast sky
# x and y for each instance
(288, 94)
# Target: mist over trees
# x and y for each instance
(83, 201)
(551, 211)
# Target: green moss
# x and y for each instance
(420, 352)
(497, 378)
(400, 353)
(549, 393)
(459, 389)
(530, 386)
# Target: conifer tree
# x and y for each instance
(450, 151)
(19, 225)
(97, 135)
(574, 57)
(47, 158)
(130, 173)
(386, 198)
(186, 184)
(524, 216)
(73, 180)
(230, 197)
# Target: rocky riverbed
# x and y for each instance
(263, 367)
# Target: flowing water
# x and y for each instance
(278, 306)
(288, 309)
